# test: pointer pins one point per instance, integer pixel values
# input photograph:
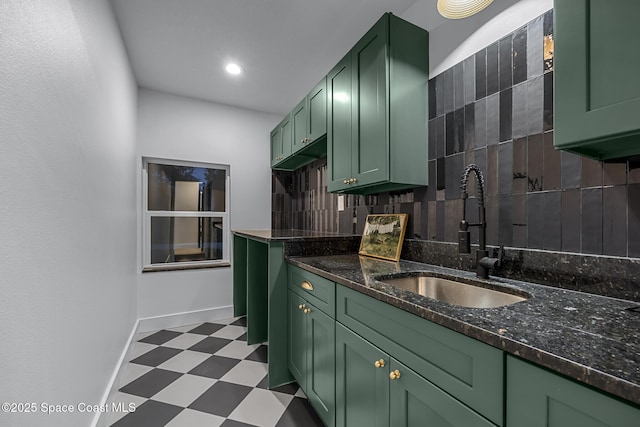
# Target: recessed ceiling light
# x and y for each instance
(234, 69)
(458, 9)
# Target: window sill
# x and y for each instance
(153, 269)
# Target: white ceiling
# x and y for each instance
(285, 46)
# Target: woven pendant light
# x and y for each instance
(458, 9)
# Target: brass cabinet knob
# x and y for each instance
(306, 311)
(353, 181)
(379, 363)
(346, 181)
(301, 306)
(394, 375)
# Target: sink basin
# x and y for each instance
(456, 293)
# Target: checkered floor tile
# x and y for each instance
(205, 375)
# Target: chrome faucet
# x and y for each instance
(483, 262)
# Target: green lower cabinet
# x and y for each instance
(539, 398)
(297, 339)
(362, 389)
(311, 349)
(415, 402)
(375, 390)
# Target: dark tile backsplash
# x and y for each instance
(494, 109)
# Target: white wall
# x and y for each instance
(175, 127)
(67, 203)
(453, 40)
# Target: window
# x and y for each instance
(185, 214)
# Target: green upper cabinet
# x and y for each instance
(310, 117)
(539, 398)
(308, 126)
(281, 141)
(377, 111)
(597, 89)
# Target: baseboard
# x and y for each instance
(149, 324)
(175, 320)
(100, 418)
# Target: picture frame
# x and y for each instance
(383, 236)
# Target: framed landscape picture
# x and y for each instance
(383, 235)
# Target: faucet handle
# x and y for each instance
(500, 256)
(464, 238)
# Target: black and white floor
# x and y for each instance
(205, 375)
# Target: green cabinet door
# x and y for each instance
(320, 384)
(281, 140)
(362, 389)
(297, 339)
(317, 111)
(539, 398)
(339, 124)
(369, 141)
(596, 67)
(276, 145)
(299, 122)
(415, 402)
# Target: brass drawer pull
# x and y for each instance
(306, 285)
(306, 311)
(379, 363)
(394, 375)
(302, 306)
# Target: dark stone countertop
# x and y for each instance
(590, 338)
(288, 235)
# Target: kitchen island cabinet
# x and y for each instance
(260, 278)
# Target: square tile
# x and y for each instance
(149, 414)
(299, 413)
(214, 367)
(232, 423)
(184, 361)
(206, 328)
(184, 341)
(134, 371)
(141, 348)
(261, 408)
(156, 356)
(247, 373)
(210, 345)
(242, 321)
(260, 354)
(125, 402)
(184, 390)
(221, 398)
(183, 329)
(237, 350)
(231, 332)
(151, 383)
(160, 337)
(191, 418)
(242, 337)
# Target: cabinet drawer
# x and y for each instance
(467, 369)
(315, 289)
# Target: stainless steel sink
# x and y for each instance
(456, 293)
